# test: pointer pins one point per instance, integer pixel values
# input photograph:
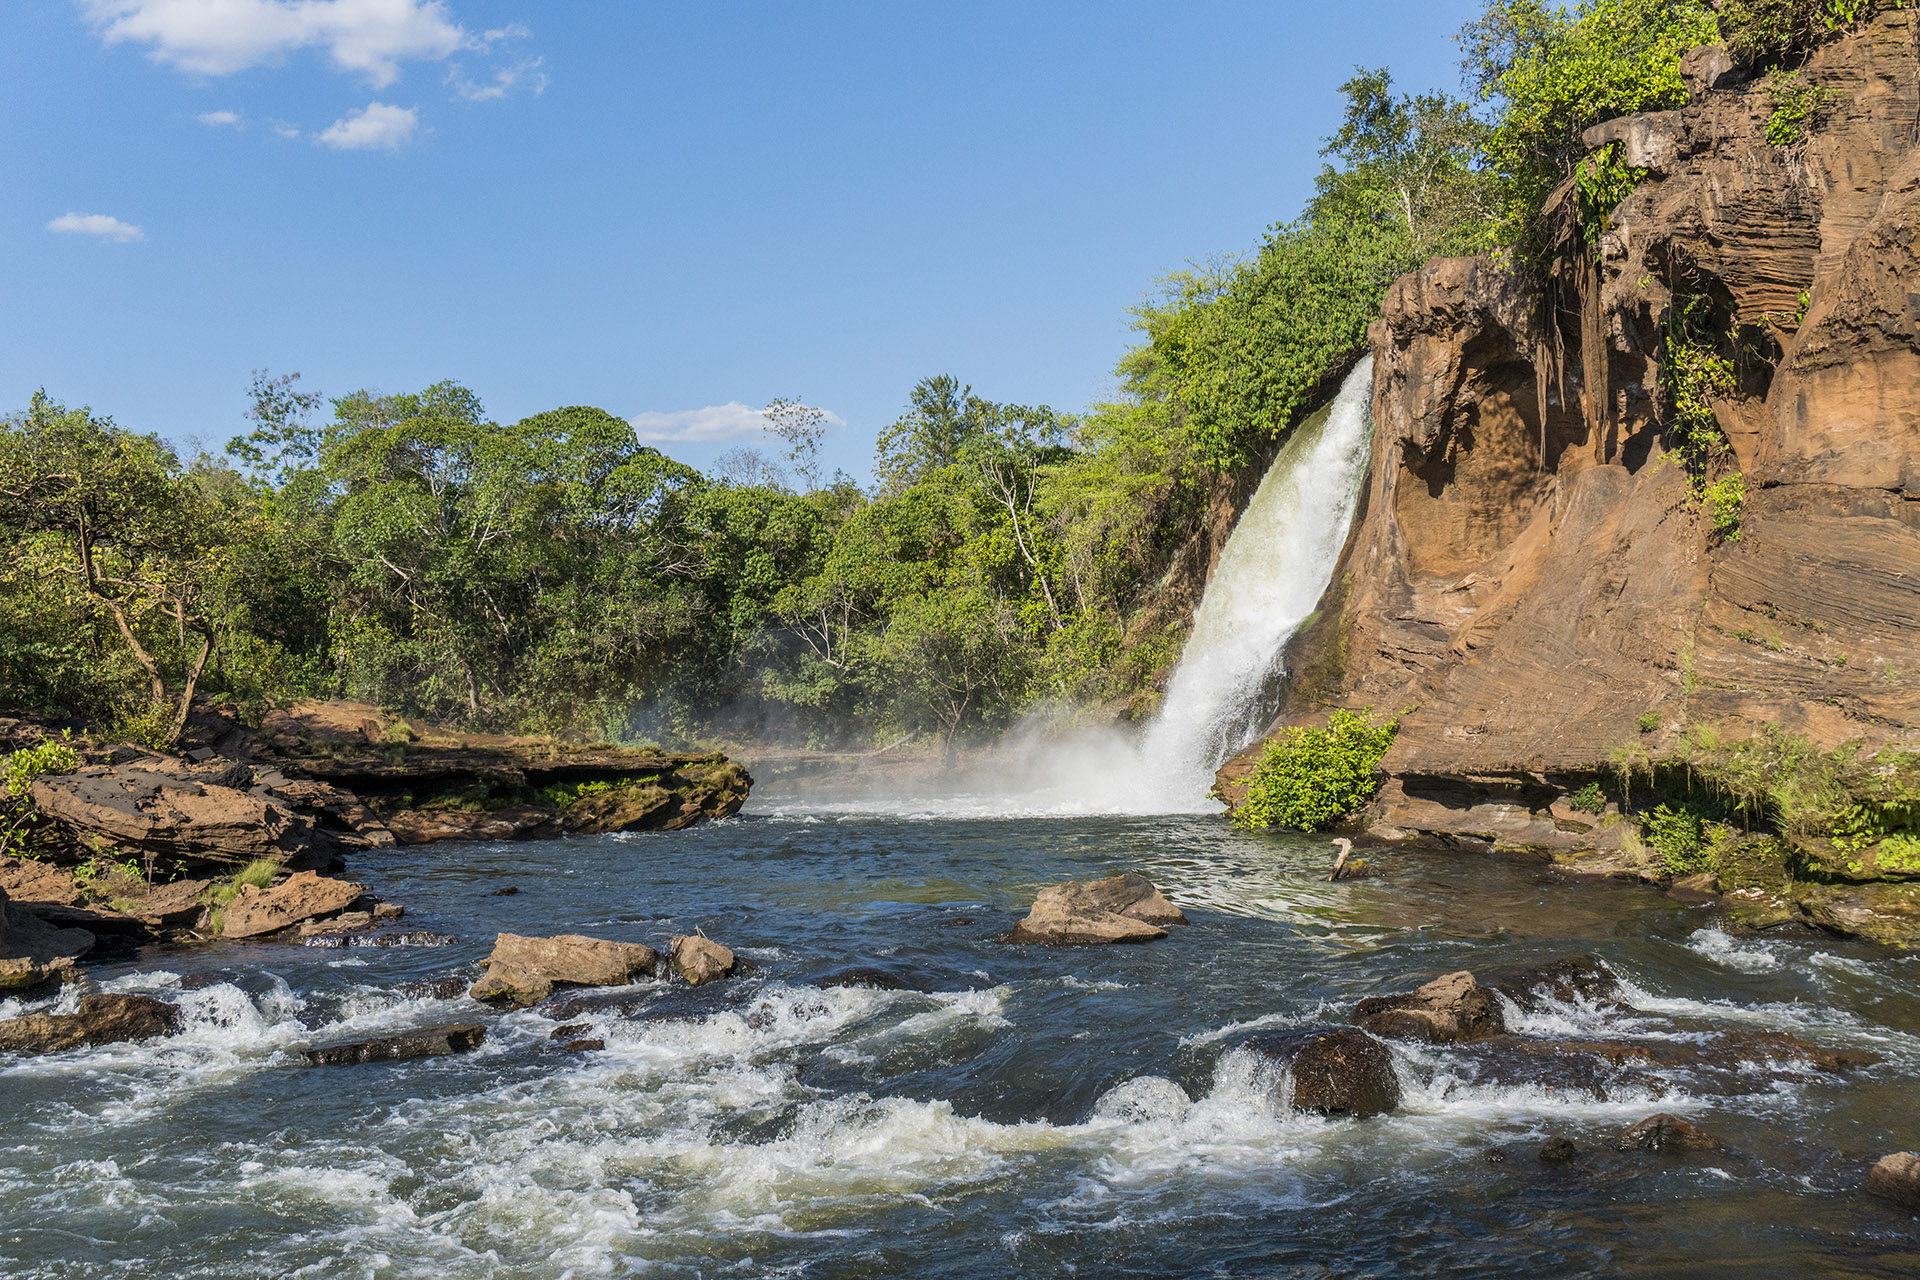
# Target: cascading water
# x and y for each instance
(1270, 578)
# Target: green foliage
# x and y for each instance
(1307, 779)
(1648, 721)
(1794, 107)
(1591, 798)
(1603, 178)
(1763, 32)
(1723, 499)
(1678, 835)
(1551, 72)
(18, 769)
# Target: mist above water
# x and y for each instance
(1230, 677)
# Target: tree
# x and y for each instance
(282, 440)
(1414, 160)
(942, 417)
(109, 515)
(804, 428)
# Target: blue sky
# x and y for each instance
(662, 210)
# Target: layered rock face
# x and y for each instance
(1532, 582)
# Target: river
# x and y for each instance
(1029, 1111)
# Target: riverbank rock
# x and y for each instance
(167, 813)
(1449, 1010)
(525, 970)
(303, 896)
(1123, 908)
(1340, 1073)
(700, 959)
(31, 949)
(1665, 1131)
(1897, 1178)
(428, 1042)
(517, 822)
(100, 1019)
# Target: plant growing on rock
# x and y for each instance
(1308, 779)
(1723, 499)
(1794, 107)
(18, 769)
(1591, 798)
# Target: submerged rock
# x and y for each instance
(428, 1042)
(1448, 1010)
(1665, 1131)
(1897, 1178)
(1340, 1073)
(1123, 908)
(525, 970)
(1568, 980)
(700, 959)
(1557, 1150)
(873, 979)
(305, 895)
(101, 1019)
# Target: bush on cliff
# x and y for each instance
(1308, 779)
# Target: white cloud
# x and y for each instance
(286, 131)
(522, 75)
(218, 118)
(374, 125)
(219, 37)
(96, 224)
(715, 424)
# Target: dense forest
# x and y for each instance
(554, 574)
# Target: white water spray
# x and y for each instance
(1226, 686)
(1270, 578)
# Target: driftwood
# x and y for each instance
(1340, 863)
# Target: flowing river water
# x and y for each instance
(1024, 1111)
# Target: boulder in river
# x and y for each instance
(1449, 1010)
(428, 1042)
(1557, 1150)
(699, 959)
(302, 896)
(100, 1019)
(525, 970)
(1897, 1178)
(1568, 980)
(1123, 908)
(175, 812)
(1339, 1073)
(1665, 1131)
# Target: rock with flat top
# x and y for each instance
(699, 959)
(525, 970)
(30, 945)
(428, 1042)
(1897, 1178)
(100, 1019)
(168, 812)
(1123, 908)
(1665, 1131)
(1449, 1010)
(303, 896)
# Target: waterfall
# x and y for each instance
(1275, 568)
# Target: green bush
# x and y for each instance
(17, 772)
(1308, 779)
(1723, 500)
(1794, 108)
(1590, 799)
(1679, 837)
(1762, 32)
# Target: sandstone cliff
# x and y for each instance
(1532, 581)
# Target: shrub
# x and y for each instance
(1648, 721)
(1723, 500)
(1590, 799)
(17, 772)
(1679, 837)
(1308, 779)
(1795, 108)
(1762, 32)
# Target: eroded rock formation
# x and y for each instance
(1534, 587)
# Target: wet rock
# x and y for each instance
(25, 936)
(1665, 1131)
(1569, 980)
(1897, 1178)
(100, 1019)
(1341, 1073)
(568, 1032)
(446, 988)
(387, 912)
(525, 970)
(518, 822)
(23, 973)
(1123, 908)
(1557, 1150)
(700, 959)
(1495, 1155)
(1885, 913)
(583, 1046)
(429, 1042)
(305, 895)
(1704, 887)
(507, 892)
(1449, 1010)
(345, 922)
